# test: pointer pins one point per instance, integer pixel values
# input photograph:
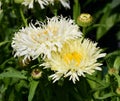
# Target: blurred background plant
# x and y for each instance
(19, 82)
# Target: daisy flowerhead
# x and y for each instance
(25, 42)
(76, 58)
(60, 29)
(30, 3)
(31, 42)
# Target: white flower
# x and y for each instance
(76, 58)
(32, 42)
(25, 42)
(59, 29)
(30, 3)
(65, 3)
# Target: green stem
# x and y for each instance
(76, 10)
(84, 31)
(118, 79)
(55, 12)
(23, 17)
(118, 99)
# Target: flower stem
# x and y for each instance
(23, 17)
(55, 12)
(76, 10)
(84, 31)
(118, 79)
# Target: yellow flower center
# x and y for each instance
(85, 17)
(51, 29)
(72, 57)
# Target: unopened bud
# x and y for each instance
(84, 20)
(118, 90)
(18, 1)
(112, 71)
(24, 62)
(36, 73)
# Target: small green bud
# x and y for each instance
(112, 71)
(18, 1)
(118, 90)
(36, 73)
(84, 20)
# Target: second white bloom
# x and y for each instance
(31, 42)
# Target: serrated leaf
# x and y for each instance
(33, 86)
(14, 74)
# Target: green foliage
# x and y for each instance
(33, 86)
(107, 21)
(10, 72)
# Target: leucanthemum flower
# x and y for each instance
(77, 58)
(44, 3)
(30, 3)
(31, 42)
(25, 42)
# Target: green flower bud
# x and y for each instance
(36, 73)
(84, 20)
(118, 90)
(112, 71)
(18, 1)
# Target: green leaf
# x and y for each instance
(6, 61)
(3, 43)
(13, 73)
(101, 29)
(110, 58)
(11, 96)
(115, 53)
(1, 16)
(33, 86)
(21, 84)
(105, 96)
(118, 35)
(115, 3)
(98, 81)
(108, 22)
(117, 63)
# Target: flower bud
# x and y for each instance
(84, 20)
(18, 1)
(36, 73)
(112, 71)
(24, 62)
(118, 90)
